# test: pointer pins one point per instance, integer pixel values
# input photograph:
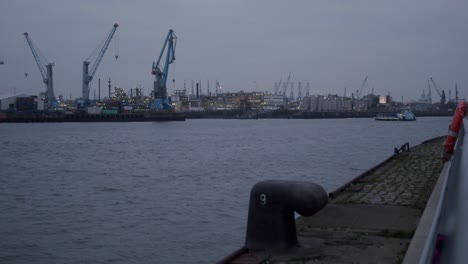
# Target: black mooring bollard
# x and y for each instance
(271, 223)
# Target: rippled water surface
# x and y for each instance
(168, 192)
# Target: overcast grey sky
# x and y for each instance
(245, 44)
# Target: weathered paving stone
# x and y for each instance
(373, 220)
(405, 175)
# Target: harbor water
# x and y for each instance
(168, 192)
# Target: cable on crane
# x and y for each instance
(116, 46)
(96, 49)
(173, 73)
(43, 58)
(25, 61)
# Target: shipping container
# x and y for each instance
(8, 104)
(112, 104)
(93, 110)
(40, 105)
(110, 111)
(127, 109)
(25, 104)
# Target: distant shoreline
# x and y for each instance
(296, 115)
(180, 116)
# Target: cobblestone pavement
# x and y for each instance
(371, 220)
(407, 179)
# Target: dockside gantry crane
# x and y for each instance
(88, 74)
(161, 101)
(46, 71)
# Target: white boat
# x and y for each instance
(404, 115)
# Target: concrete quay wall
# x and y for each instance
(371, 219)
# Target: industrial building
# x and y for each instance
(19, 103)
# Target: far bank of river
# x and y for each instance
(298, 115)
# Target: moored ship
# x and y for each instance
(404, 115)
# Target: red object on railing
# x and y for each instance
(460, 112)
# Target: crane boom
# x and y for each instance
(103, 50)
(278, 85)
(435, 87)
(88, 74)
(45, 69)
(359, 93)
(286, 84)
(38, 60)
(161, 101)
(441, 93)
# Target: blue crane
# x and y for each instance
(46, 71)
(161, 101)
(88, 74)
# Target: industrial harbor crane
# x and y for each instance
(359, 92)
(161, 101)
(429, 95)
(299, 87)
(441, 93)
(218, 88)
(291, 95)
(45, 69)
(88, 74)
(278, 86)
(285, 85)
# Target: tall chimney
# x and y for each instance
(109, 88)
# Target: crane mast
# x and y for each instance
(299, 95)
(291, 95)
(218, 88)
(45, 69)
(161, 101)
(88, 73)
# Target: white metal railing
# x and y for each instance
(442, 219)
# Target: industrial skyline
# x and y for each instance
(244, 45)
